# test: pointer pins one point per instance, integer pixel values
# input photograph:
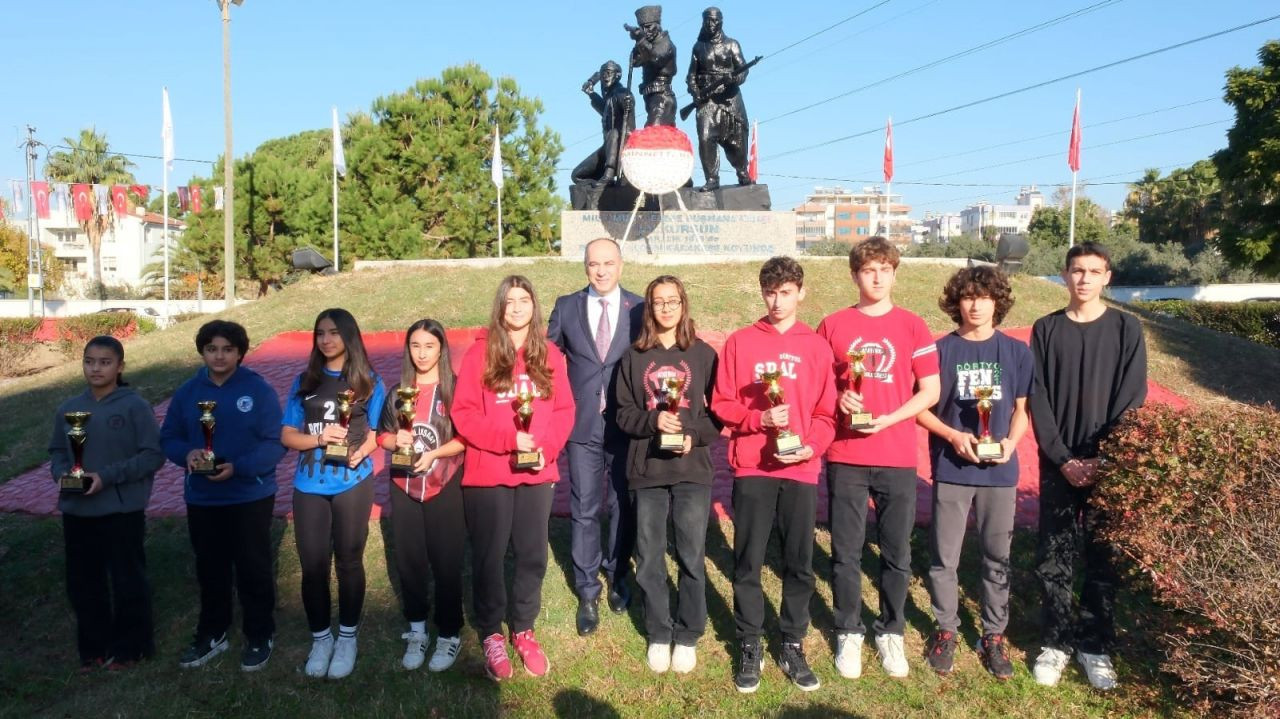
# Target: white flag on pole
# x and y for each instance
(339, 157)
(495, 171)
(16, 188)
(166, 133)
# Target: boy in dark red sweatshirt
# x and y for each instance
(773, 482)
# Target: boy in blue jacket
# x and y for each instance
(228, 511)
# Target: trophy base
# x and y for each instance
(671, 442)
(989, 450)
(206, 467)
(74, 484)
(789, 444)
(859, 420)
(403, 462)
(527, 460)
(337, 453)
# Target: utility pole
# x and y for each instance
(35, 277)
(228, 163)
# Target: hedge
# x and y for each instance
(1256, 321)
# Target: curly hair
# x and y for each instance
(873, 249)
(778, 271)
(973, 282)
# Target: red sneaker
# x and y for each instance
(535, 661)
(496, 663)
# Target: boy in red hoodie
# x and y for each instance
(888, 367)
(773, 481)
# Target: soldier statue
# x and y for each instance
(656, 56)
(617, 118)
(715, 74)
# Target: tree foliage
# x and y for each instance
(1183, 207)
(13, 262)
(90, 160)
(1249, 167)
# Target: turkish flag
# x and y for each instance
(888, 151)
(184, 198)
(40, 195)
(1073, 150)
(753, 157)
(82, 200)
(141, 192)
(120, 200)
(197, 202)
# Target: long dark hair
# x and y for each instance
(444, 366)
(356, 369)
(685, 332)
(113, 344)
(500, 353)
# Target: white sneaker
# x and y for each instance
(659, 657)
(683, 659)
(1049, 666)
(415, 652)
(892, 655)
(344, 658)
(1099, 670)
(849, 655)
(445, 654)
(318, 659)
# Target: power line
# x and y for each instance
(1027, 88)
(776, 67)
(134, 154)
(955, 56)
(833, 26)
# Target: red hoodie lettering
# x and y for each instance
(786, 369)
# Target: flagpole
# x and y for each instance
(336, 266)
(1071, 232)
(164, 232)
(497, 173)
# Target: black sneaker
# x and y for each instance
(940, 651)
(994, 651)
(793, 664)
(255, 655)
(750, 664)
(202, 650)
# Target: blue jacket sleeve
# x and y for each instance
(293, 414)
(173, 432)
(266, 451)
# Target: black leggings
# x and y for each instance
(429, 541)
(332, 526)
(498, 517)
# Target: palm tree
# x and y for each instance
(89, 160)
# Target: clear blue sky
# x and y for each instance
(73, 63)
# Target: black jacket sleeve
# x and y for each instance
(632, 416)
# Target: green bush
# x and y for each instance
(1255, 321)
(83, 328)
(1192, 499)
(17, 342)
(18, 329)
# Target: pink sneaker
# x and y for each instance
(496, 663)
(535, 661)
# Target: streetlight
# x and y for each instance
(228, 175)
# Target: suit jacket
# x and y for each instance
(568, 329)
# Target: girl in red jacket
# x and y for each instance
(514, 411)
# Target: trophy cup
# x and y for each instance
(987, 447)
(205, 462)
(404, 458)
(667, 441)
(75, 481)
(857, 420)
(524, 417)
(788, 442)
(340, 453)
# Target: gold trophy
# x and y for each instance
(987, 447)
(205, 463)
(340, 453)
(404, 458)
(857, 420)
(787, 442)
(75, 481)
(671, 398)
(524, 418)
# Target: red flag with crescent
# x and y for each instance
(82, 200)
(120, 200)
(40, 197)
(197, 200)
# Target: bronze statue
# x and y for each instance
(656, 56)
(617, 118)
(715, 74)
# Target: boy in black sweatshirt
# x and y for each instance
(1091, 367)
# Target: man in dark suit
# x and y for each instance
(593, 327)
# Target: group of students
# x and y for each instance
(844, 398)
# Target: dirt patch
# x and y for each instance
(40, 357)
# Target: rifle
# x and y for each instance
(684, 111)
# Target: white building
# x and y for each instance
(847, 216)
(942, 226)
(1011, 219)
(130, 244)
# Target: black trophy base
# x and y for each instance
(337, 453)
(671, 442)
(527, 460)
(789, 444)
(206, 467)
(74, 484)
(403, 462)
(859, 421)
(989, 450)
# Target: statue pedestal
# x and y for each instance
(622, 198)
(724, 234)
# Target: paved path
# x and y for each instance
(280, 358)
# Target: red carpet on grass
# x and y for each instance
(282, 357)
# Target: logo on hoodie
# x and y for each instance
(245, 403)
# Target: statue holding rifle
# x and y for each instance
(716, 72)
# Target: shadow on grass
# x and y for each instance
(817, 712)
(577, 704)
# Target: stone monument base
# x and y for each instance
(622, 198)
(708, 233)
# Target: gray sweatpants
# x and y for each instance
(993, 509)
